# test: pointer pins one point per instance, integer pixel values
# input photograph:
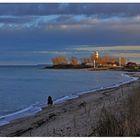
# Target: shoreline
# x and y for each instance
(18, 128)
(33, 109)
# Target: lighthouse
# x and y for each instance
(96, 55)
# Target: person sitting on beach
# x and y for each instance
(50, 101)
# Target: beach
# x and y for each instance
(75, 117)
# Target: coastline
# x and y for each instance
(35, 108)
(49, 116)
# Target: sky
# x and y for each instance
(34, 33)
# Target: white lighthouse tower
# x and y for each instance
(96, 55)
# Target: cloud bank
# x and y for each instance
(52, 27)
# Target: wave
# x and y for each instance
(68, 97)
(33, 109)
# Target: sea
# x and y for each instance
(24, 89)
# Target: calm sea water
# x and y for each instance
(22, 86)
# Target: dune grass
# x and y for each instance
(127, 123)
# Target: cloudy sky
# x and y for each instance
(33, 33)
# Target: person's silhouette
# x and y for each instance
(50, 101)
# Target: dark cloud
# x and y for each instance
(98, 35)
(64, 18)
(16, 19)
(37, 15)
(72, 24)
(103, 10)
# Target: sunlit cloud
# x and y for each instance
(50, 52)
(68, 22)
(132, 53)
(128, 55)
(93, 48)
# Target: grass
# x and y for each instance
(127, 123)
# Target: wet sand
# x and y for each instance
(75, 117)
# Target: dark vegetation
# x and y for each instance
(68, 66)
(127, 123)
(131, 66)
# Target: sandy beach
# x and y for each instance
(75, 117)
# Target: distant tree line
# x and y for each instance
(102, 60)
(62, 60)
